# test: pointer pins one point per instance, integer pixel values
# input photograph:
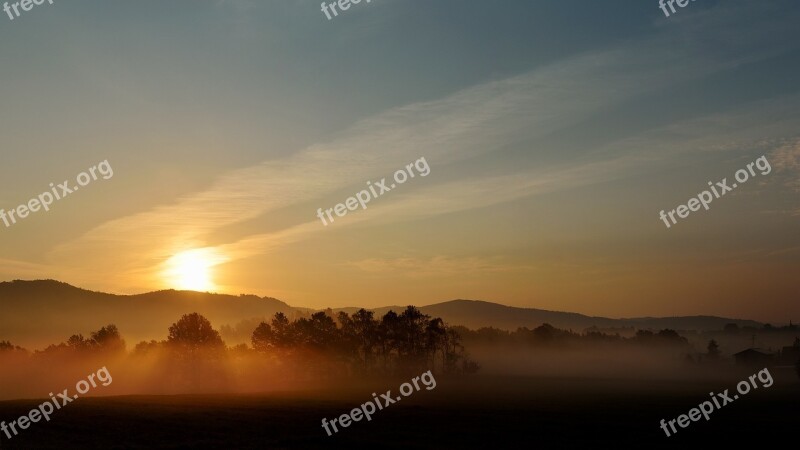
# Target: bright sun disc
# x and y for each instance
(192, 270)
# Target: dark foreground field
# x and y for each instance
(479, 412)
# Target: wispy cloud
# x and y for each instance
(433, 267)
(10, 268)
(485, 119)
(786, 160)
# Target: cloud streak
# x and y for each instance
(482, 120)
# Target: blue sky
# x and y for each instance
(555, 132)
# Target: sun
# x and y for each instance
(192, 270)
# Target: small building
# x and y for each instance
(790, 355)
(753, 357)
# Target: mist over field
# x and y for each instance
(333, 349)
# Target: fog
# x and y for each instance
(160, 372)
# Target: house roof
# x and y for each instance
(752, 351)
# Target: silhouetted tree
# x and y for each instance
(317, 333)
(366, 330)
(192, 335)
(263, 338)
(644, 336)
(436, 341)
(412, 350)
(281, 337)
(389, 337)
(348, 346)
(284, 336)
(7, 347)
(671, 337)
(108, 339)
(144, 347)
(397, 343)
(544, 333)
(453, 350)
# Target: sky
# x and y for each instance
(554, 131)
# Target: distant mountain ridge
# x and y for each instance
(477, 313)
(37, 313)
(42, 312)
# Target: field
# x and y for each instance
(477, 412)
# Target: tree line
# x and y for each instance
(356, 343)
(547, 335)
(405, 342)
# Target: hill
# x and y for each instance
(476, 314)
(34, 314)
